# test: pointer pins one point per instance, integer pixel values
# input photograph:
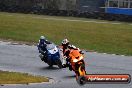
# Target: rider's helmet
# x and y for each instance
(42, 39)
(65, 42)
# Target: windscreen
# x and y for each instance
(50, 46)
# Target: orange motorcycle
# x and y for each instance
(77, 63)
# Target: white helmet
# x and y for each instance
(42, 37)
(65, 41)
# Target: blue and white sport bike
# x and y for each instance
(52, 56)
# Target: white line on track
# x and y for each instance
(76, 20)
(113, 54)
(116, 23)
(122, 55)
(61, 19)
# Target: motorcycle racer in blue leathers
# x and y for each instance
(42, 47)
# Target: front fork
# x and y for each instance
(80, 69)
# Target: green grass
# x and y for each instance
(109, 38)
(19, 78)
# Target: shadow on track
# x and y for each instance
(50, 68)
(70, 77)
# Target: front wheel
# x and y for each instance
(59, 63)
(50, 63)
(81, 80)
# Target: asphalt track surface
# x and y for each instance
(24, 58)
